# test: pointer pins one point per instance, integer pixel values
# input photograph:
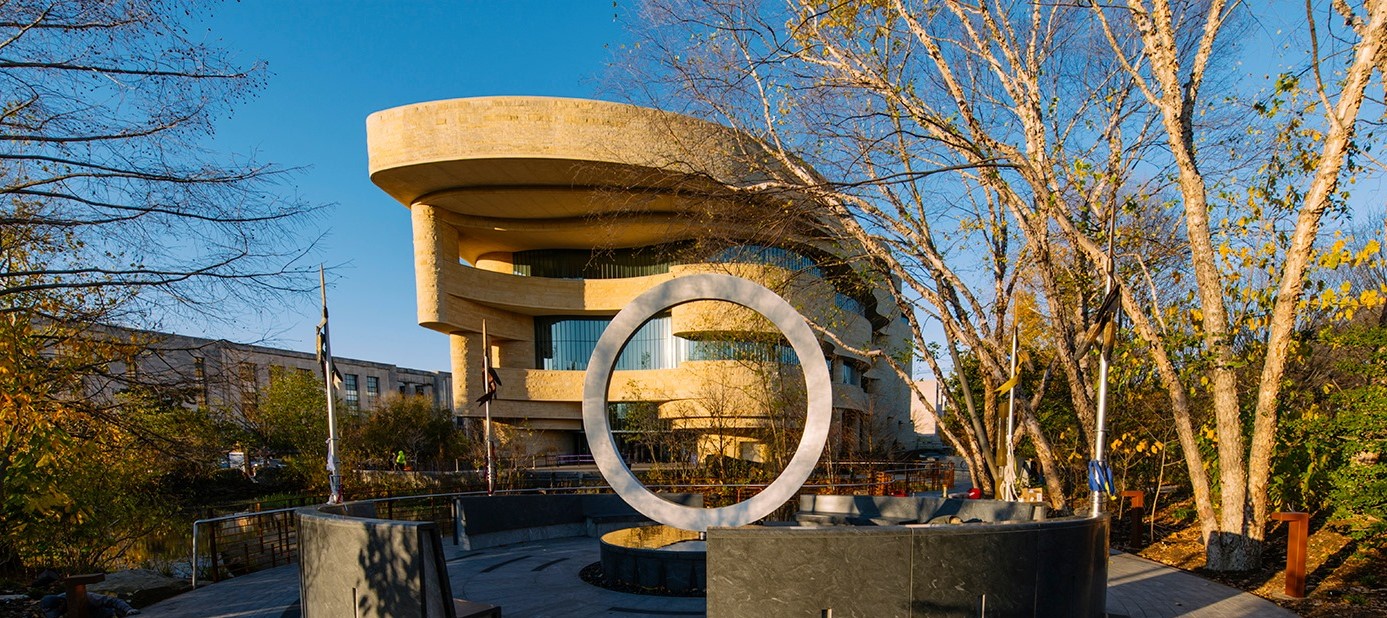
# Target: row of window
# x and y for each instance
(351, 383)
(567, 343)
(657, 259)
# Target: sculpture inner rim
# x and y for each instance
(676, 292)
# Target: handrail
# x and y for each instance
(194, 566)
(454, 496)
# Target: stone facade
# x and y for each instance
(223, 375)
(541, 217)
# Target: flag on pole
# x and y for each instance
(493, 384)
(324, 351)
(1103, 322)
(333, 380)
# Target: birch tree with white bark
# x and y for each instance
(972, 149)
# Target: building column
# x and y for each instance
(435, 254)
(467, 372)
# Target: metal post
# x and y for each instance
(334, 478)
(457, 519)
(194, 559)
(1009, 477)
(1100, 452)
(486, 375)
(216, 576)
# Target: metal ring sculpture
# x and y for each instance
(598, 380)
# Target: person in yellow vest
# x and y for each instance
(400, 460)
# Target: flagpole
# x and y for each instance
(1009, 475)
(486, 380)
(325, 348)
(1100, 454)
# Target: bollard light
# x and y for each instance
(1295, 551)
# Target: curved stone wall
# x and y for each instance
(1056, 568)
(662, 559)
(487, 178)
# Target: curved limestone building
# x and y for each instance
(544, 217)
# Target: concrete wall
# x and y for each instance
(1054, 568)
(356, 566)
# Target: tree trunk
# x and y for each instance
(1230, 551)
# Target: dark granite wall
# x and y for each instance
(485, 515)
(352, 566)
(1053, 568)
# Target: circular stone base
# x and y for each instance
(655, 560)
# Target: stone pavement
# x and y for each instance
(540, 579)
(1141, 588)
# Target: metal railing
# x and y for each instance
(242, 543)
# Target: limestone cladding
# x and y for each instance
(487, 178)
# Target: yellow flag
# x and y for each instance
(1002, 390)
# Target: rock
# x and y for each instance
(140, 587)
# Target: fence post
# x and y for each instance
(284, 536)
(216, 576)
(194, 556)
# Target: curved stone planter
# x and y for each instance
(1056, 567)
(659, 558)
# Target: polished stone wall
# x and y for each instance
(355, 566)
(663, 559)
(1050, 568)
(817, 510)
(500, 520)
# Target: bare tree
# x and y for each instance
(973, 150)
(103, 123)
(1171, 79)
(112, 211)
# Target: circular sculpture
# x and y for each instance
(598, 380)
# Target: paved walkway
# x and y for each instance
(541, 579)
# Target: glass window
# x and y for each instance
(566, 344)
(849, 304)
(753, 351)
(372, 386)
(200, 375)
(350, 385)
(594, 264)
(657, 259)
(849, 373)
(250, 386)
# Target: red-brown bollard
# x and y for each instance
(1136, 499)
(1295, 551)
(76, 588)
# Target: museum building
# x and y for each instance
(541, 218)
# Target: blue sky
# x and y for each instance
(333, 63)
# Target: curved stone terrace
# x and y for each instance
(540, 578)
(530, 572)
